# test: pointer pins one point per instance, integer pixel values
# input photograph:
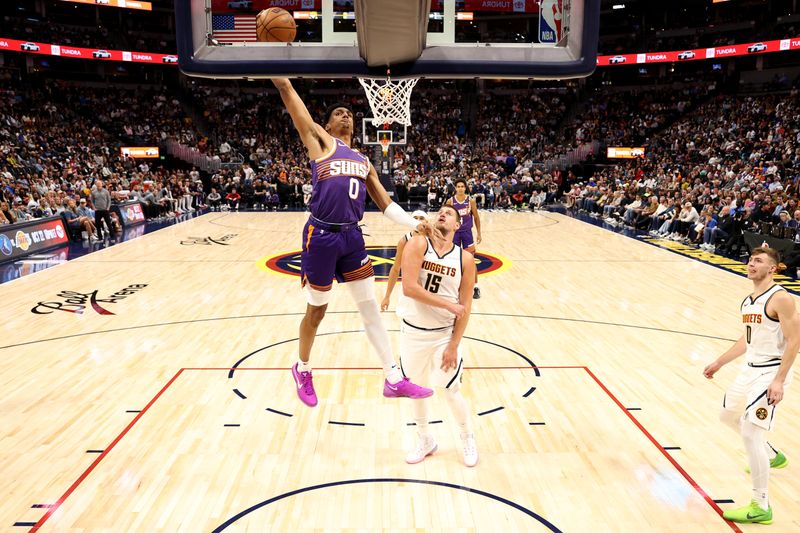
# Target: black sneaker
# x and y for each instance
(476, 294)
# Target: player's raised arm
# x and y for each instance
(316, 140)
(413, 256)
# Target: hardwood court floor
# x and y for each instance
(127, 417)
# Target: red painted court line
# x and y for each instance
(652, 439)
(108, 449)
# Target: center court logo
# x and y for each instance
(382, 260)
(77, 302)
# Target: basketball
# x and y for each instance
(275, 25)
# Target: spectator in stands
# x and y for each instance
(795, 222)
(19, 212)
(644, 216)
(274, 201)
(719, 231)
(538, 198)
(101, 200)
(503, 201)
(6, 210)
(233, 198)
(84, 210)
(633, 209)
(151, 207)
(78, 222)
(260, 191)
(686, 219)
(705, 224)
(214, 199)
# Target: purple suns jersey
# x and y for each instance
(465, 210)
(339, 181)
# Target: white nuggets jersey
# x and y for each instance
(765, 342)
(440, 276)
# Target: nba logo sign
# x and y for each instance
(550, 12)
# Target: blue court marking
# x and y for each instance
(478, 492)
(530, 391)
(490, 411)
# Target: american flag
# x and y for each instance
(234, 28)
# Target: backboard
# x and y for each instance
(533, 39)
(372, 135)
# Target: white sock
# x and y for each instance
(760, 496)
(303, 366)
(379, 339)
(460, 409)
(420, 410)
(755, 443)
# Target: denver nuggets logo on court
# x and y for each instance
(382, 260)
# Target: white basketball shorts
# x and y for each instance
(421, 357)
(748, 394)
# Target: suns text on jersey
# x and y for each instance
(346, 167)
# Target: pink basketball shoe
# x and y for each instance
(405, 389)
(305, 386)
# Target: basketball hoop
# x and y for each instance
(385, 145)
(389, 99)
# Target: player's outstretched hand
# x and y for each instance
(711, 369)
(479, 239)
(425, 228)
(385, 304)
(457, 309)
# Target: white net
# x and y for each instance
(389, 99)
